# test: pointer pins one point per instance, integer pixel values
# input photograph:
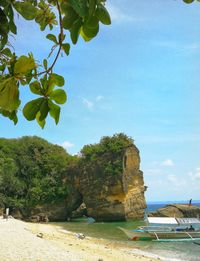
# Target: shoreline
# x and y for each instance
(41, 242)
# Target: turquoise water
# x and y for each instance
(187, 251)
(184, 251)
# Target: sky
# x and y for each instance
(139, 76)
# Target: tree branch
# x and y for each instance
(61, 36)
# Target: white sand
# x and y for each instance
(19, 242)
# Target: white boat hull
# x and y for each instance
(162, 236)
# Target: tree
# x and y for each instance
(32, 171)
(79, 17)
(106, 156)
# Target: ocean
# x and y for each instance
(169, 251)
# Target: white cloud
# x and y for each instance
(177, 45)
(195, 175)
(67, 145)
(99, 98)
(152, 172)
(88, 103)
(118, 15)
(172, 178)
(167, 163)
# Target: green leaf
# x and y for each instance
(75, 31)
(26, 9)
(59, 96)
(3, 3)
(35, 88)
(24, 64)
(3, 18)
(13, 27)
(69, 18)
(80, 6)
(66, 48)
(103, 14)
(188, 1)
(11, 115)
(9, 95)
(45, 63)
(4, 29)
(52, 37)
(92, 6)
(10, 14)
(44, 109)
(92, 22)
(2, 67)
(44, 83)
(64, 6)
(56, 79)
(54, 111)
(90, 29)
(41, 123)
(31, 109)
(7, 52)
(84, 36)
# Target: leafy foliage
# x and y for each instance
(78, 17)
(32, 172)
(106, 156)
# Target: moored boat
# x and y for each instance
(166, 229)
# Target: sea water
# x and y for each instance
(184, 251)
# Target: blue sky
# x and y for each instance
(140, 76)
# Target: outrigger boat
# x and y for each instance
(166, 229)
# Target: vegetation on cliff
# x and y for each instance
(106, 155)
(31, 172)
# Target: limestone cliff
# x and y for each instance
(111, 197)
(133, 184)
(52, 184)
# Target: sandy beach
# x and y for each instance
(21, 241)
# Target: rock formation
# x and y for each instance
(52, 184)
(2, 207)
(133, 185)
(1, 211)
(80, 211)
(177, 210)
(114, 197)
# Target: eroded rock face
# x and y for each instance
(53, 212)
(2, 209)
(80, 211)
(113, 197)
(16, 214)
(177, 210)
(133, 185)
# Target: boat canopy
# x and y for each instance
(172, 221)
(185, 221)
(162, 220)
